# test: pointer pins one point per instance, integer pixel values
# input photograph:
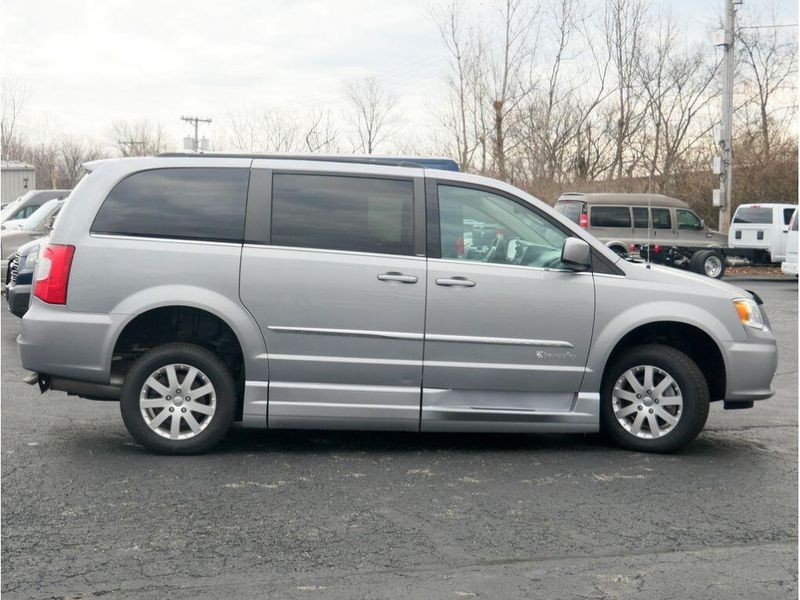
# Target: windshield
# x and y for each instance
(37, 218)
(11, 207)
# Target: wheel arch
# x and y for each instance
(232, 314)
(690, 338)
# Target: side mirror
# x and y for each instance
(49, 222)
(576, 254)
(703, 224)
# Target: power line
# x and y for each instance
(768, 26)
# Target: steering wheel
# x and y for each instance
(497, 253)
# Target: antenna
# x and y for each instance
(650, 222)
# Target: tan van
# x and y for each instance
(621, 220)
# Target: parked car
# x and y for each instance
(657, 227)
(760, 231)
(283, 293)
(25, 230)
(19, 276)
(789, 266)
(24, 206)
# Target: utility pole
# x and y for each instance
(130, 145)
(195, 121)
(723, 165)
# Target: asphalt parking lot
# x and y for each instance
(87, 513)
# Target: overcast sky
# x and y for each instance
(88, 62)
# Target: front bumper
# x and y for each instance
(18, 297)
(750, 368)
(790, 268)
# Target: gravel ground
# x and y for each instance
(87, 513)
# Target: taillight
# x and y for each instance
(52, 273)
(584, 220)
(632, 247)
(657, 249)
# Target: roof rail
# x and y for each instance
(444, 164)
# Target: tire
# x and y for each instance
(710, 263)
(212, 412)
(691, 387)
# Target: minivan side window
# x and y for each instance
(610, 216)
(335, 212)
(185, 203)
(477, 225)
(661, 218)
(640, 218)
(688, 220)
(787, 215)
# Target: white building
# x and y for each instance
(17, 179)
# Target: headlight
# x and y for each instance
(749, 313)
(30, 259)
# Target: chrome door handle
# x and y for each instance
(395, 276)
(455, 282)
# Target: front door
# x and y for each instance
(508, 329)
(339, 293)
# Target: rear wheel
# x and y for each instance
(710, 263)
(178, 399)
(654, 399)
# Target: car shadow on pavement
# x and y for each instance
(240, 441)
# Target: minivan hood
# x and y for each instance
(691, 282)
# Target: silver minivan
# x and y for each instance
(346, 293)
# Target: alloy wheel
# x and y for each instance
(177, 401)
(647, 402)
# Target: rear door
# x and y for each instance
(507, 333)
(334, 272)
(663, 222)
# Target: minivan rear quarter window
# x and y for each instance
(188, 203)
(610, 216)
(358, 214)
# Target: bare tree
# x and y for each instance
(462, 45)
(321, 132)
(265, 131)
(14, 96)
(72, 154)
(768, 58)
(678, 88)
(139, 137)
(509, 72)
(371, 109)
(624, 24)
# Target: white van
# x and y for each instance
(789, 266)
(761, 230)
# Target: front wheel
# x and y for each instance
(654, 398)
(178, 399)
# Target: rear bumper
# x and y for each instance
(18, 297)
(56, 341)
(750, 369)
